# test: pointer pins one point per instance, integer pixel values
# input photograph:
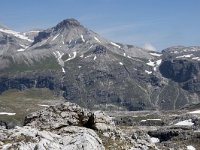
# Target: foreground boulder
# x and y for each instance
(70, 138)
(54, 117)
(65, 126)
(69, 127)
(59, 117)
(68, 114)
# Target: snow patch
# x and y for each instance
(143, 120)
(42, 105)
(158, 62)
(175, 52)
(55, 37)
(6, 113)
(95, 57)
(155, 119)
(88, 56)
(155, 54)
(114, 44)
(185, 56)
(196, 58)
(151, 63)
(82, 38)
(59, 55)
(74, 54)
(90, 46)
(148, 72)
(125, 54)
(150, 120)
(70, 58)
(190, 147)
(195, 112)
(154, 140)
(63, 70)
(21, 50)
(24, 46)
(97, 39)
(79, 67)
(16, 34)
(82, 56)
(33, 31)
(154, 64)
(121, 63)
(185, 123)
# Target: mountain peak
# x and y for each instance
(67, 23)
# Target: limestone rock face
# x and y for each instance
(70, 138)
(65, 126)
(68, 114)
(54, 117)
(103, 122)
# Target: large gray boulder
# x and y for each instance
(68, 114)
(70, 138)
(64, 126)
(54, 117)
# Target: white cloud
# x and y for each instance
(149, 46)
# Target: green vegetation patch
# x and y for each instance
(45, 63)
(25, 102)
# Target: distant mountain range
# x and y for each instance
(96, 72)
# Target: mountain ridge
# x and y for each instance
(92, 71)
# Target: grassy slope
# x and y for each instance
(46, 63)
(24, 102)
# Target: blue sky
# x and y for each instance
(161, 23)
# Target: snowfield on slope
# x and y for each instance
(6, 113)
(16, 34)
(185, 123)
(114, 44)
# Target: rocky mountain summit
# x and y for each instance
(68, 126)
(95, 72)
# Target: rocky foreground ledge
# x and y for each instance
(69, 127)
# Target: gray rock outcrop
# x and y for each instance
(65, 126)
(70, 138)
(68, 114)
